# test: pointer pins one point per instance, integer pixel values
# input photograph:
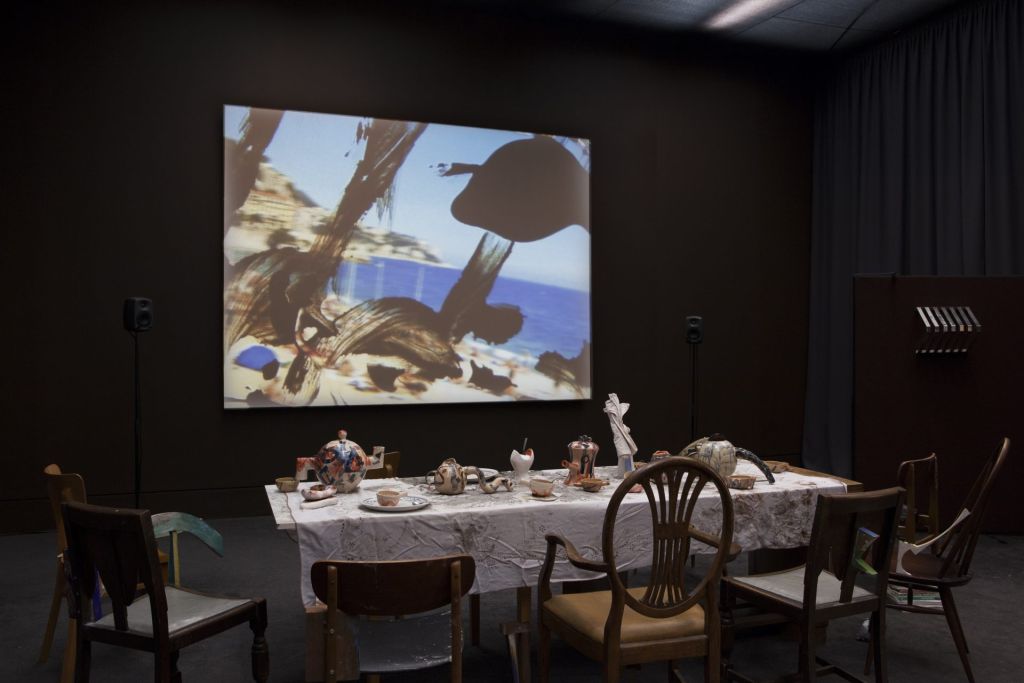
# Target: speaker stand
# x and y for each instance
(138, 420)
(693, 392)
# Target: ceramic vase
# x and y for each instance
(521, 464)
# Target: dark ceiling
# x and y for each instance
(819, 25)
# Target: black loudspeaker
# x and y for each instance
(694, 329)
(138, 314)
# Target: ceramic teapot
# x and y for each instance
(340, 463)
(715, 452)
(450, 477)
(720, 455)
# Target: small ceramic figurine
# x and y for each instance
(340, 463)
(521, 464)
(492, 486)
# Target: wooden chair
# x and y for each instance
(392, 459)
(663, 621)
(393, 589)
(60, 487)
(920, 521)
(946, 563)
(119, 546)
(848, 528)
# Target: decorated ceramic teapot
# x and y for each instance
(450, 477)
(720, 455)
(340, 463)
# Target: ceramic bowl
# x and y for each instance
(318, 492)
(286, 484)
(741, 481)
(541, 487)
(593, 485)
(388, 497)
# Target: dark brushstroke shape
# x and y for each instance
(485, 378)
(242, 159)
(572, 371)
(461, 309)
(383, 376)
(525, 191)
(495, 324)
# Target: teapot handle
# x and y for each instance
(430, 477)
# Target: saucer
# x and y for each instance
(542, 499)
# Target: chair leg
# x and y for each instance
(260, 651)
(372, 678)
(953, 619)
(808, 668)
(67, 667)
(877, 645)
(543, 650)
(175, 674)
(474, 619)
(83, 659)
(51, 622)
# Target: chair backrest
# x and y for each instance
(957, 549)
(853, 533)
(920, 479)
(395, 587)
(62, 488)
(389, 468)
(673, 486)
(119, 546)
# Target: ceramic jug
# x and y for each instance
(340, 463)
(582, 453)
(450, 477)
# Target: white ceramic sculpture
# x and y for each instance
(521, 464)
(624, 446)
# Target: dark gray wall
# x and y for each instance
(701, 182)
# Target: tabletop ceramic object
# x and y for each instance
(715, 452)
(521, 464)
(582, 454)
(340, 463)
(450, 477)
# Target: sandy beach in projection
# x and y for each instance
(351, 384)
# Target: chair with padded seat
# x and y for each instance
(853, 536)
(665, 620)
(389, 592)
(946, 561)
(118, 547)
(388, 468)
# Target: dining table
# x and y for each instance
(505, 531)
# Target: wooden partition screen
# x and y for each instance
(958, 405)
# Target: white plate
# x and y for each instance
(405, 504)
(545, 499)
(486, 471)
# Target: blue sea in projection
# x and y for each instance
(556, 318)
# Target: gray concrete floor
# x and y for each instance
(260, 561)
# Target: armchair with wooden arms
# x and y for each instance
(117, 546)
(852, 534)
(945, 562)
(665, 620)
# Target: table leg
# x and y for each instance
(474, 619)
(523, 594)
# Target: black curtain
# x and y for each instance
(919, 170)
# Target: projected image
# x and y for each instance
(369, 261)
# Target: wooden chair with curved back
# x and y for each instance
(117, 547)
(920, 479)
(665, 620)
(946, 563)
(394, 588)
(852, 534)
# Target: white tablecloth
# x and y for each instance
(504, 532)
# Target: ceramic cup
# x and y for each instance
(592, 485)
(541, 487)
(286, 484)
(388, 497)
